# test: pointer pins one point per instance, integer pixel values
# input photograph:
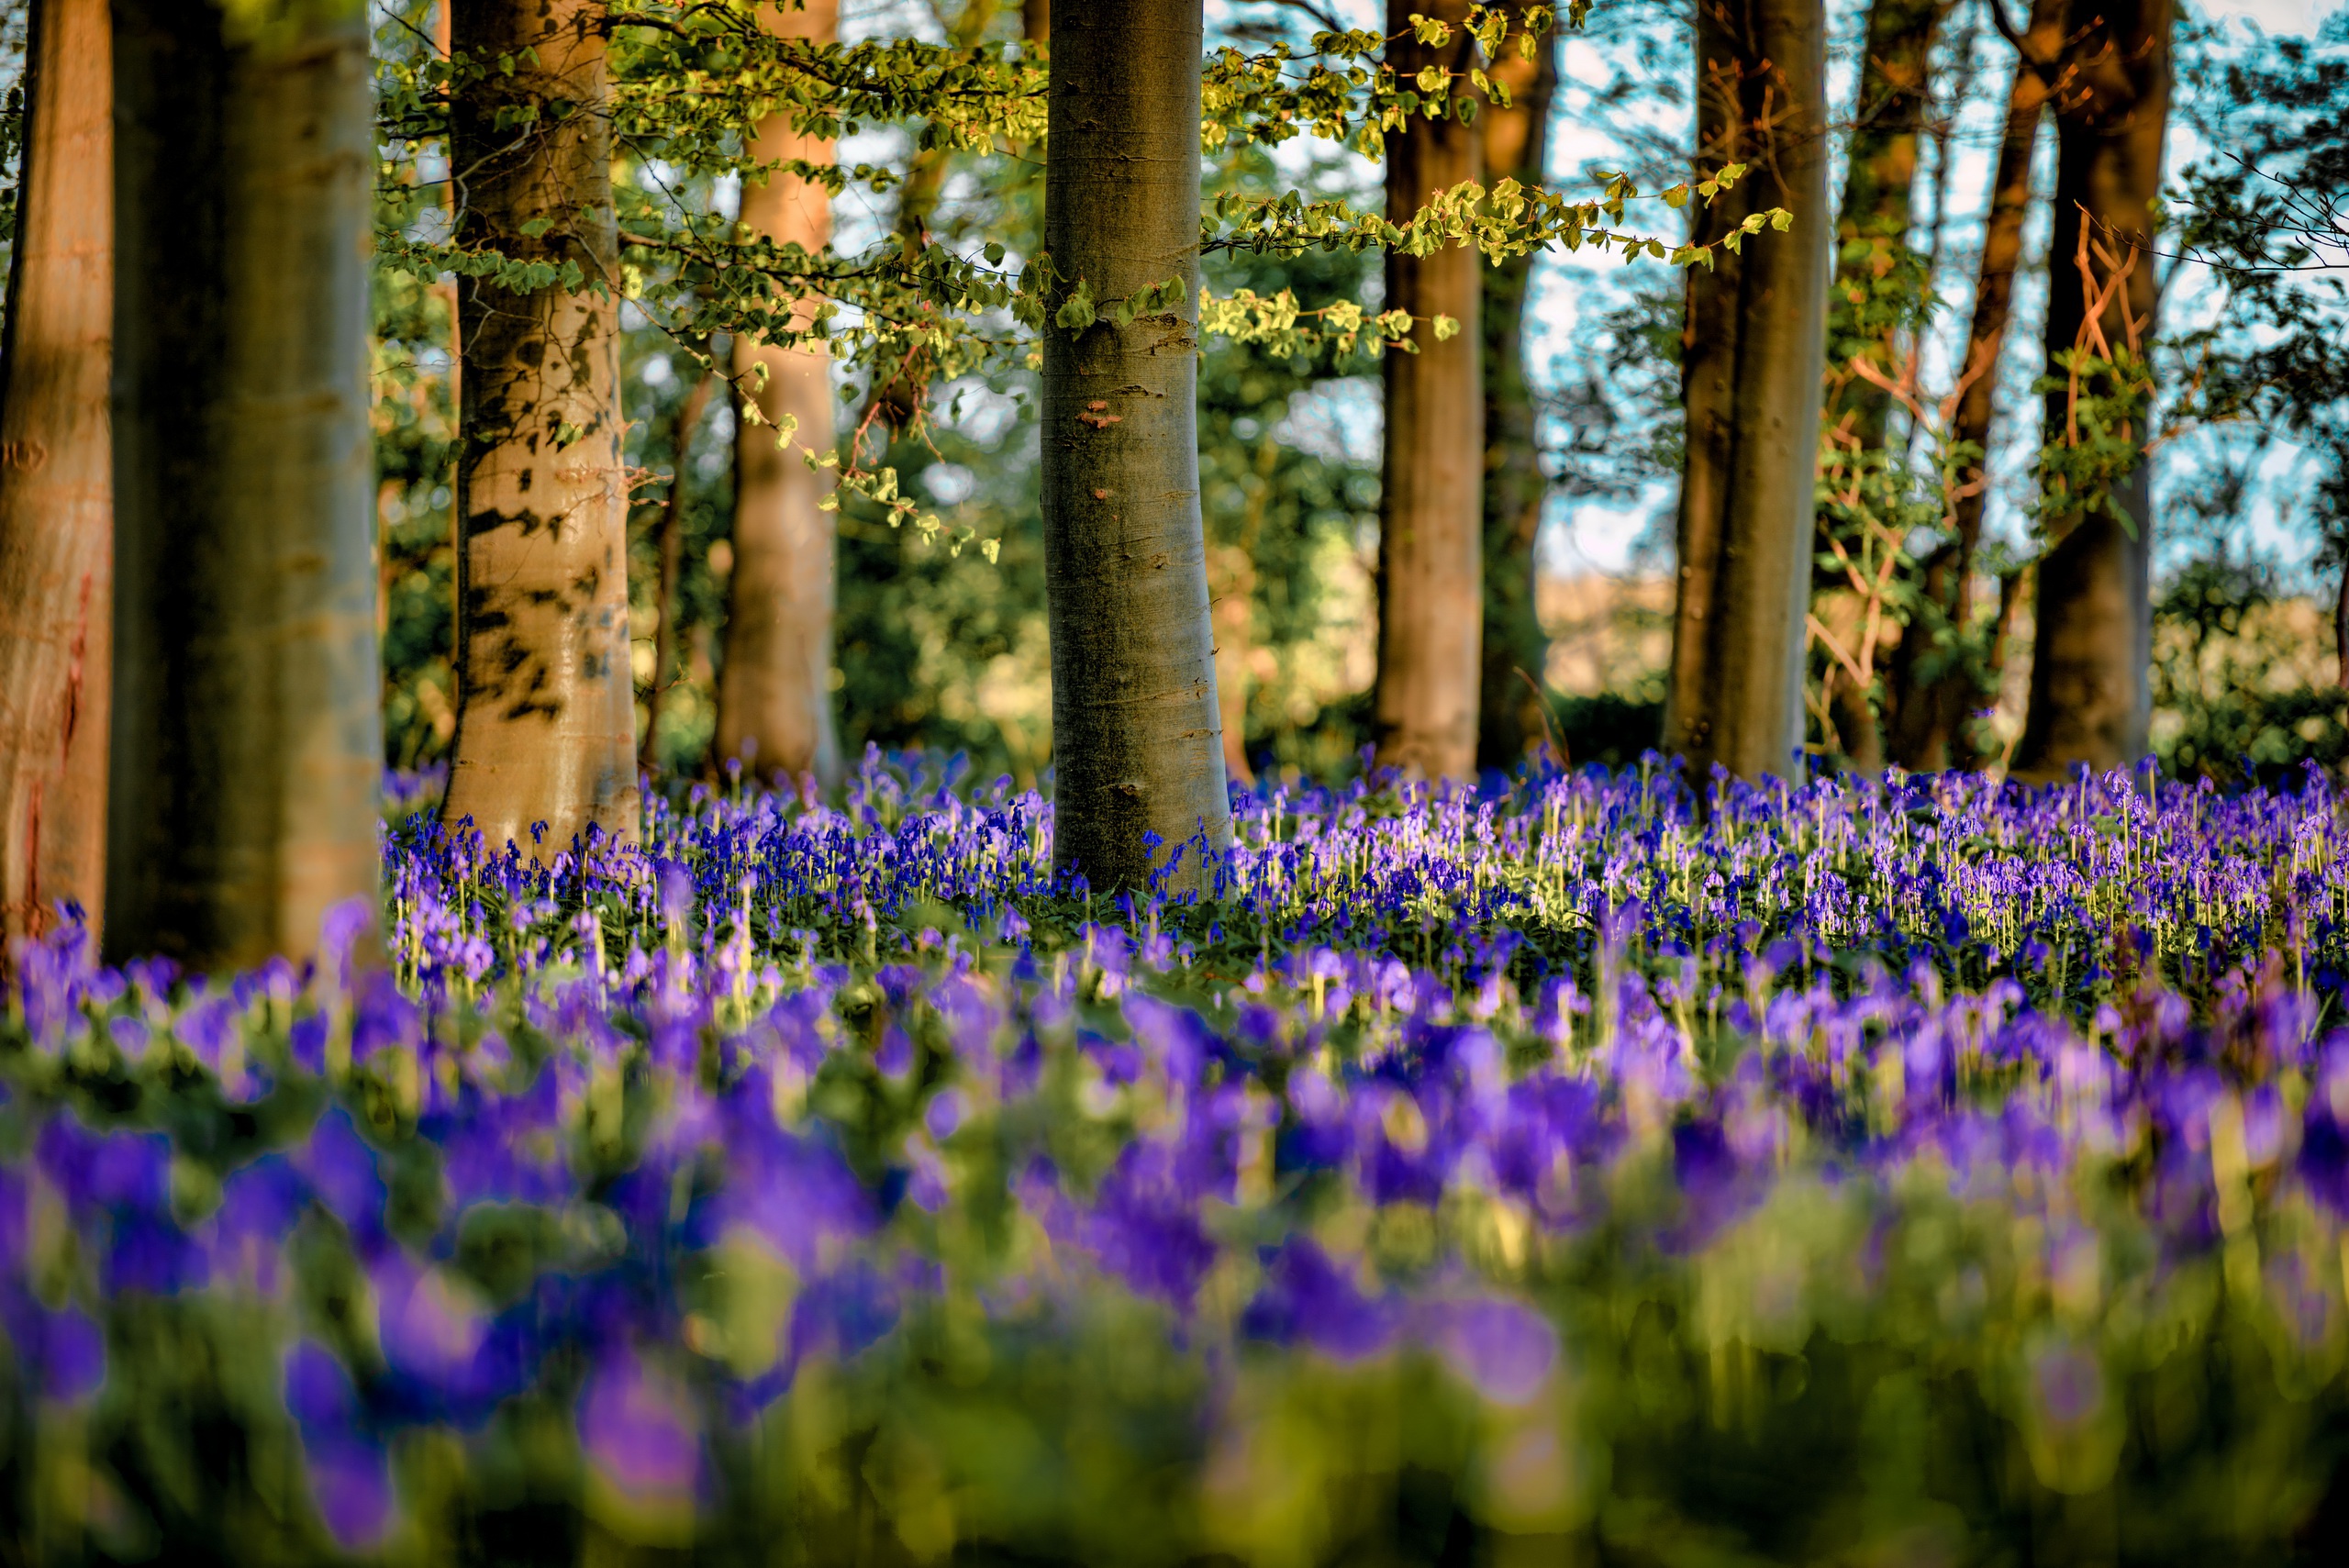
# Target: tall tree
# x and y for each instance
(1754, 348)
(2092, 643)
(1515, 647)
(1135, 743)
(546, 712)
(774, 699)
(1879, 288)
(1430, 539)
(1932, 684)
(246, 742)
(56, 490)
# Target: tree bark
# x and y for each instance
(686, 420)
(546, 712)
(774, 695)
(56, 487)
(2091, 700)
(1871, 238)
(1752, 361)
(1136, 736)
(1516, 146)
(1871, 227)
(247, 748)
(1431, 538)
(1933, 690)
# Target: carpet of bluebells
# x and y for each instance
(1922, 1172)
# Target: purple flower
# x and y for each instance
(1504, 1349)
(638, 1429)
(1305, 1297)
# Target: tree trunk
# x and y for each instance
(246, 744)
(671, 545)
(1431, 538)
(1872, 228)
(1933, 689)
(546, 711)
(2092, 643)
(1232, 583)
(1136, 741)
(1516, 145)
(1753, 362)
(774, 693)
(56, 487)
(1871, 240)
(1036, 20)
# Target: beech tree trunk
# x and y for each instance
(247, 746)
(1933, 690)
(1430, 536)
(1753, 359)
(1516, 146)
(1871, 238)
(546, 710)
(2091, 701)
(1137, 747)
(56, 487)
(774, 695)
(672, 541)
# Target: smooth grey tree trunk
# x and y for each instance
(1754, 355)
(775, 694)
(1515, 649)
(247, 748)
(1430, 512)
(2092, 697)
(546, 709)
(56, 483)
(1136, 735)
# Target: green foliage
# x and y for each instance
(2107, 406)
(1289, 516)
(2243, 678)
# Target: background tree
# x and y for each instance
(56, 490)
(1514, 647)
(546, 713)
(2092, 644)
(1937, 673)
(1134, 715)
(1430, 544)
(2266, 206)
(246, 747)
(1881, 295)
(774, 696)
(1753, 351)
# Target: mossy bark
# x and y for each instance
(774, 695)
(1430, 515)
(545, 715)
(247, 749)
(2091, 702)
(1515, 647)
(56, 484)
(1753, 358)
(1934, 688)
(1137, 748)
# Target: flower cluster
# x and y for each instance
(1934, 1148)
